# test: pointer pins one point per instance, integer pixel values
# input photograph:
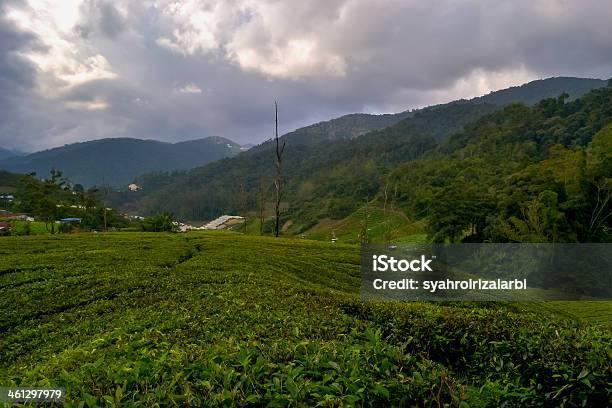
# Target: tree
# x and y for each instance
(46, 210)
(28, 193)
(599, 178)
(54, 198)
(541, 221)
(458, 211)
(278, 182)
(48, 197)
(162, 222)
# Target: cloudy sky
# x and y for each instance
(73, 70)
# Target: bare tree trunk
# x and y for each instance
(278, 183)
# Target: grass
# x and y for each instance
(391, 224)
(219, 318)
(252, 226)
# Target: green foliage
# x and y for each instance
(344, 127)
(458, 209)
(162, 222)
(210, 319)
(55, 198)
(390, 225)
(511, 359)
(8, 181)
(42, 198)
(540, 222)
(523, 174)
(327, 168)
(21, 228)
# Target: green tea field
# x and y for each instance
(390, 225)
(224, 319)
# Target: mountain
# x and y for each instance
(116, 161)
(344, 127)
(534, 91)
(332, 176)
(6, 153)
(356, 124)
(520, 174)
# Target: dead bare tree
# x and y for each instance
(278, 182)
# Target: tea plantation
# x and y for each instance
(222, 319)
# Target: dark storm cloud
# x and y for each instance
(173, 72)
(101, 16)
(17, 78)
(15, 73)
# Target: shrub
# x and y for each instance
(21, 228)
(162, 222)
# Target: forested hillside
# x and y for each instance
(325, 179)
(344, 127)
(117, 161)
(357, 124)
(534, 91)
(539, 174)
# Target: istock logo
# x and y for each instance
(384, 263)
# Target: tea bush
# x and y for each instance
(222, 319)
